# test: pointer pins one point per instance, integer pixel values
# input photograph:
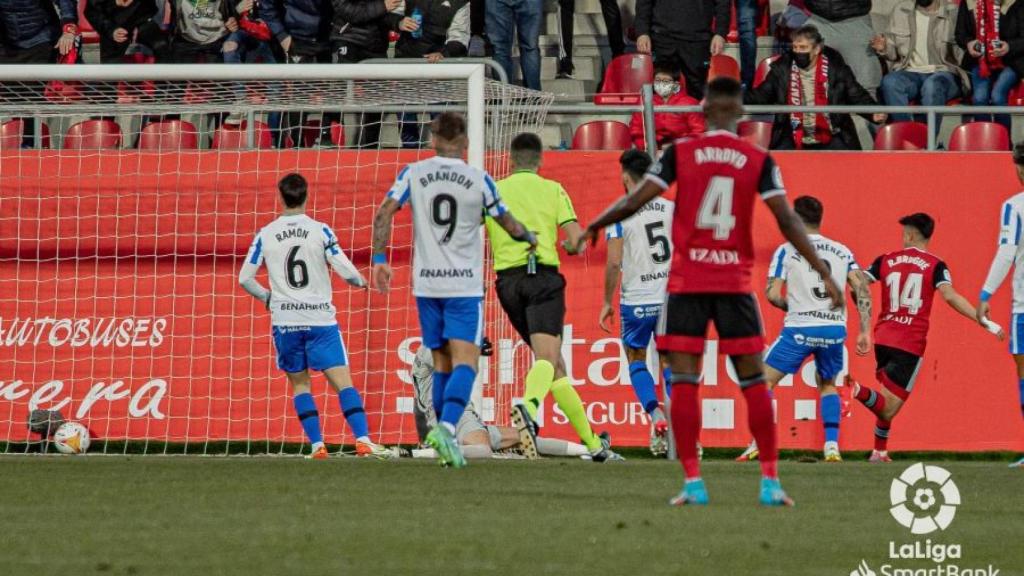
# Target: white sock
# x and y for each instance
(364, 440)
(658, 414)
(318, 446)
(554, 447)
(448, 427)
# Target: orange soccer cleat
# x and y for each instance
(318, 454)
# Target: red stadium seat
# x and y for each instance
(756, 132)
(623, 79)
(311, 132)
(723, 65)
(12, 134)
(979, 137)
(902, 136)
(93, 135)
(602, 135)
(232, 136)
(169, 135)
(762, 70)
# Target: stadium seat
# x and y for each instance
(602, 135)
(232, 136)
(93, 135)
(623, 79)
(902, 136)
(979, 137)
(762, 70)
(756, 132)
(169, 135)
(12, 134)
(724, 65)
(311, 131)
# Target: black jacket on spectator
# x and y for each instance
(687, 20)
(308, 21)
(361, 23)
(837, 10)
(439, 17)
(29, 23)
(106, 16)
(843, 90)
(1011, 31)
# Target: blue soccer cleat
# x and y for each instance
(772, 493)
(694, 493)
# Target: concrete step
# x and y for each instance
(570, 90)
(582, 6)
(582, 24)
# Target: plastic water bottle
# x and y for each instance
(531, 263)
(417, 16)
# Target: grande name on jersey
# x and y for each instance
(297, 251)
(909, 280)
(718, 177)
(448, 199)
(647, 252)
(806, 298)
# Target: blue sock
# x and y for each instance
(666, 375)
(456, 394)
(643, 385)
(437, 392)
(830, 409)
(1020, 383)
(305, 407)
(352, 408)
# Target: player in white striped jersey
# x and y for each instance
(448, 199)
(813, 328)
(639, 250)
(297, 251)
(1010, 253)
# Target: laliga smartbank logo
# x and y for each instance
(924, 500)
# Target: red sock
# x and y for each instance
(760, 418)
(871, 400)
(686, 426)
(882, 434)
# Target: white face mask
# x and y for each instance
(665, 89)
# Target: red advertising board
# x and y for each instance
(121, 305)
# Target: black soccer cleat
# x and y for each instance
(527, 429)
(605, 453)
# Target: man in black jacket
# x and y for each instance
(847, 25)
(684, 32)
(121, 23)
(444, 33)
(35, 31)
(812, 74)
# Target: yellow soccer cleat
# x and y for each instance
(832, 452)
(369, 449)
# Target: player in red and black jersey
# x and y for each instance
(911, 278)
(718, 179)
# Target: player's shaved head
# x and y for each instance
(526, 151)
(294, 189)
(809, 209)
(723, 102)
(635, 164)
(449, 133)
(921, 222)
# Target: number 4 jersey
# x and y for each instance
(911, 277)
(646, 253)
(718, 177)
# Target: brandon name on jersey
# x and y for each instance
(646, 254)
(806, 297)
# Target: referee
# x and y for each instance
(532, 291)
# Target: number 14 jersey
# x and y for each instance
(910, 278)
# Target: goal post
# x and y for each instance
(129, 195)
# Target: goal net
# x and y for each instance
(128, 198)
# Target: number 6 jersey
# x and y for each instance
(909, 279)
(449, 199)
(646, 253)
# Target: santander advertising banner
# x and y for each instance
(121, 307)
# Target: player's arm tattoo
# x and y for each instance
(773, 292)
(382, 225)
(862, 295)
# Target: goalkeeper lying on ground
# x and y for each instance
(476, 439)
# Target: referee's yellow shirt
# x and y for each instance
(542, 206)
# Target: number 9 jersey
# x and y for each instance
(449, 199)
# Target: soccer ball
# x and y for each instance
(71, 438)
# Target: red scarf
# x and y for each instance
(986, 23)
(822, 128)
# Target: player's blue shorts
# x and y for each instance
(302, 348)
(1017, 334)
(444, 319)
(639, 324)
(824, 343)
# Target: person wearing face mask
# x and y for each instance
(668, 126)
(924, 60)
(812, 74)
(992, 34)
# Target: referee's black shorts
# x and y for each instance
(534, 304)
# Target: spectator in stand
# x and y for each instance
(612, 22)
(200, 29)
(924, 61)
(123, 23)
(668, 126)
(37, 31)
(477, 29)
(812, 74)
(442, 33)
(685, 33)
(992, 36)
(847, 25)
(251, 42)
(505, 18)
(303, 28)
(747, 12)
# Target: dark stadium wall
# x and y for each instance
(152, 243)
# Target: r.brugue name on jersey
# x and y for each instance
(718, 257)
(907, 259)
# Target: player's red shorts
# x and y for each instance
(683, 325)
(897, 370)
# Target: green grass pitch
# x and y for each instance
(283, 516)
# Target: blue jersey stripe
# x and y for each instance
(777, 273)
(257, 252)
(332, 243)
(1006, 214)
